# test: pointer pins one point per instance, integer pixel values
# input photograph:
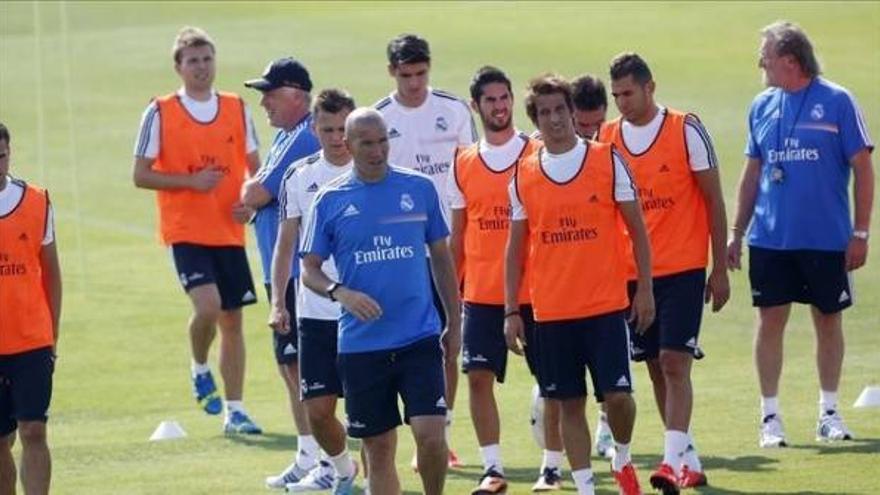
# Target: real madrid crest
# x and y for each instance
(440, 125)
(817, 112)
(406, 202)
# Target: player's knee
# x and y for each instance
(616, 401)
(481, 381)
(321, 410)
(32, 433)
(674, 365)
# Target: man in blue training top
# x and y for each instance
(285, 87)
(377, 222)
(805, 136)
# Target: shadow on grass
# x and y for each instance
(857, 446)
(711, 490)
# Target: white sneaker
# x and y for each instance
(772, 432)
(319, 479)
(831, 428)
(291, 474)
(604, 439)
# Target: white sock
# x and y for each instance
(690, 457)
(621, 456)
(552, 459)
(343, 464)
(583, 481)
(491, 455)
(447, 431)
(307, 451)
(827, 402)
(199, 368)
(769, 406)
(234, 405)
(674, 446)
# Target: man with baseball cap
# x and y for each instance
(285, 86)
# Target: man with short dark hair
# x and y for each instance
(674, 165)
(425, 126)
(195, 148)
(477, 187)
(30, 298)
(285, 93)
(590, 105)
(378, 222)
(806, 136)
(566, 201)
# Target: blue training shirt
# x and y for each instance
(287, 148)
(804, 140)
(377, 234)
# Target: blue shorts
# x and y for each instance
(25, 387)
(483, 343)
(679, 302)
(225, 266)
(286, 347)
(568, 348)
(318, 375)
(818, 278)
(372, 382)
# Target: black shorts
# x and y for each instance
(678, 299)
(286, 347)
(318, 374)
(483, 345)
(225, 266)
(372, 382)
(25, 387)
(818, 278)
(598, 343)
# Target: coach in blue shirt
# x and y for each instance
(285, 88)
(377, 222)
(806, 134)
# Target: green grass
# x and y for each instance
(74, 79)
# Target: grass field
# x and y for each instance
(75, 77)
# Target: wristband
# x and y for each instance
(860, 234)
(515, 312)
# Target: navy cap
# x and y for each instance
(283, 72)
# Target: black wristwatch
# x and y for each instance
(333, 288)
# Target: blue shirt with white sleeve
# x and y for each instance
(377, 234)
(287, 148)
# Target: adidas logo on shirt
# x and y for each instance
(664, 168)
(351, 211)
(594, 199)
(23, 237)
(312, 188)
(622, 382)
(393, 133)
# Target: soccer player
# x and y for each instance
(285, 88)
(590, 108)
(425, 126)
(806, 136)
(30, 295)
(377, 223)
(565, 200)
(674, 165)
(195, 148)
(480, 220)
(590, 105)
(317, 315)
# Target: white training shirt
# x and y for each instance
(701, 153)
(497, 158)
(424, 138)
(563, 168)
(148, 141)
(10, 197)
(300, 185)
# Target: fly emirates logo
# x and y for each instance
(383, 249)
(792, 152)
